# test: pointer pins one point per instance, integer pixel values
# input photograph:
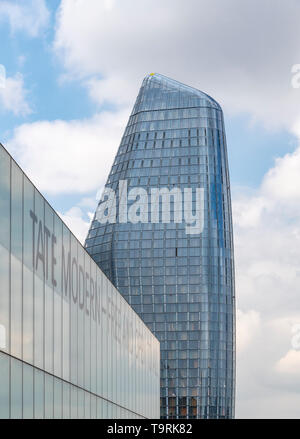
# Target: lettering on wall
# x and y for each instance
(80, 287)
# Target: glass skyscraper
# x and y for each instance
(179, 279)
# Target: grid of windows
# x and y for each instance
(70, 345)
(181, 285)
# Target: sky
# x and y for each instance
(73, 71)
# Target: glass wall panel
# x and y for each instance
(49, 289)
(41, 394)
(66, 401)
(57, 284)
(4, 298)
(66, 287)
(74, 402)
(4, 386)
(27, 391)
(57, 398)
(5, 186)
(16, 406)
(28, 264)
(49, 397)
(87, 322)
(71, 331)
(39, 270)
(80, 321)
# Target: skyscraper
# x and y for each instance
(177, 274)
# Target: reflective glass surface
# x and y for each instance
(182, 285)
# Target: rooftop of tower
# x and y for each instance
(165, 83)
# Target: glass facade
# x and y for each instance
(181, 284)
(70, 345)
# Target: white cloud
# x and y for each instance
(89, 202)
(69, 157)
(13, 96)
(226, 50)
(116, 90)
(290, 363)
(74, 219)
(30, 16)
(283, 181)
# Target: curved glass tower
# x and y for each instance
(162, 233)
